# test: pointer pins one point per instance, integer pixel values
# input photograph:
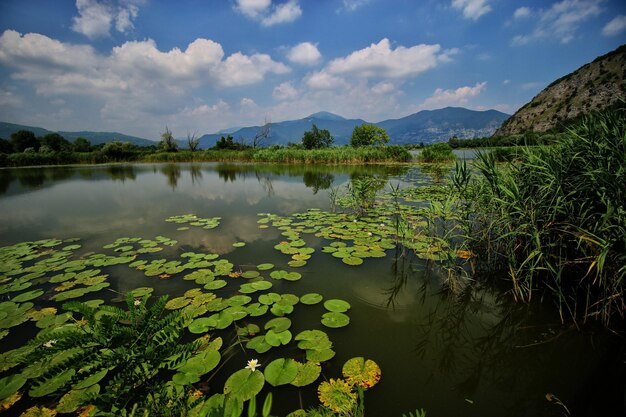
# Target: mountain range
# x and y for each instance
(592, 87)
(427, 126)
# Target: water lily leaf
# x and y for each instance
(277, 338)
(37, 411)
(244, 384)
(281, 309)
(313, 339)
(361, 372)
(249, 330)
(201, 363)
(10, 384)
(202, 325)
(52, 384)
(296, 264)
(237, 312)
(307, 373)
(311, 298)
(269, 298)
(261, 285)
(239, 244)
(281, 371)
(290, 299)
(141, 291)
(75, 398)
(335, 320)
(259, 344)
(90, 380)
(320, 355)
(239, 300)
(223, 319)
(215, 285)
(188, 378)
(336, 305)
(352, 260)
(278, 324)
(250, 274)
(264, 267)
(176, 303)
(257, 309)
(27, 296)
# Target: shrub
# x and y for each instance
(437, 152)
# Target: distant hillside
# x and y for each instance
(426, 126)
(430, 126)
(592, 87)
(6, 129)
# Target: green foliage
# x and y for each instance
(82, 145)
(316, 138)
(55, 142)
(118, 151)
(557, 216)
(168, 143)
(336, 155)
(5, 146)
(228, 143)
(436, 153)
(368, 135)
(24, 139)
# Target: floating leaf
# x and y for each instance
(244, 384)
(311, 298)
(37, 411)
(361, 372)
(320, 355)
(277, 338)
(176, 303)
(27, 296)
(75, 398)
(202, 325)
(265, 267)
(352, 260)
(336, 305)
(250, 274)
(257, 309)
(337, 395)
(307, 373)
(215, 285)
(278, 324)
(281, 371)
(239, 244)
(141, 291)
(335, 320)
(259, 344)
(201, 363)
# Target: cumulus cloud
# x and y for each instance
(304, 53)
(561, 21)
(616, 26)
(322, 80)
(352, 5)
(459, 97)
(95, 17)
(247, 102)
(285, 91)
(472, 9)
(380, 60)
(268, 14)
(383, 87)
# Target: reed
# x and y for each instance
(555, 218)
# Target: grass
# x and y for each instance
(555, 218)
(437, 152)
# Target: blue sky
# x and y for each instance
(134, 66)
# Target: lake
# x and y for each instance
(467, 352)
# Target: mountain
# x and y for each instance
(594, 86)
(430, 126)
(292, 130)
(425, 126)
(6, 129)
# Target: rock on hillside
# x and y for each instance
(592, 87)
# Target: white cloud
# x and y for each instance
(352, 5)
(615, 26)
(285, 91)
(304, 53)
(379, 60)
(506, 82)
(253, 8)
(204, 110)
(95, 17)
(472, 9)
(561, 21)
(521, 12)
(269, 15)
(283, 13)
(247, 102)
(322, 80)
(383, 87)
(459, 97)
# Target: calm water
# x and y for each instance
(473, 353)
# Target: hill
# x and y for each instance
(6, 129)
(594, 86)
(426, 126)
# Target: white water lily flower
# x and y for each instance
(382, 225)
(253, 364)
(49, 343)
(369, 233)
(137, 302)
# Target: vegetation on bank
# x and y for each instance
(555, 218)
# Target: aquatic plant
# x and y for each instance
(437, 152)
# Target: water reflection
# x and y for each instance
(117, 172)
(172, 173)
(318, 180)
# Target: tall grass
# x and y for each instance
(344, 154)
(436, 153)
(556, 217)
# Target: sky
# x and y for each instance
(136, 66)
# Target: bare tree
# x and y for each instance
(263, 134)
(193, 141)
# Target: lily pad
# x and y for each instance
(281, 371)
(264, 267)
(250, 274)
(215, 285)
(75, 398)
(202, 325)
(278, 338)
(361, 372)
(201, 363)
(257, 309)
(244, 384)
(352, 260)
(336, 305)
(278, 324)
(311, 298)
(239, 244)
(177, 303)
(27, 296)
(307, 373)
(258, 344)
(320, 355)
(335, 320)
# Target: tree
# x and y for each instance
(82, 145)
(5, 146)
(193, 141)
(263, 133)
(228, 143)
(24, 139)
(316, 138)
(55, 142)
(168, 143)
(368, 135)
